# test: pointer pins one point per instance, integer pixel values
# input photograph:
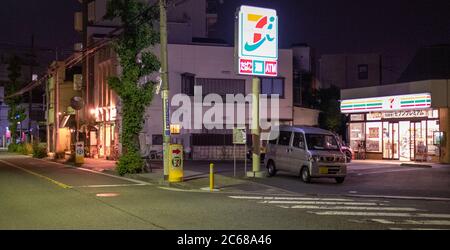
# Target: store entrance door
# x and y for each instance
(418, 141)
(390, 140)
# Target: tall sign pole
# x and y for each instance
(256, 54)
(165, 86)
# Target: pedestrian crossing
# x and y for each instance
(360, 210)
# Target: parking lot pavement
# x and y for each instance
(383, 178)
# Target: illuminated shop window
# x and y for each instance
(373, 137)
(432, 126)
(356, 135)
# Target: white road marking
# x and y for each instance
(96, 172)
(381, 214)
(415, 222)
(400, 197)
(111, 185)
(306, 199)
(322, 203)
(247, 197)
(288, 198)
(356, 208)
(383, 221)
(115, 176)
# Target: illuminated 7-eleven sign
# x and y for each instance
(257, 41)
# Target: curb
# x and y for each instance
(415, 165)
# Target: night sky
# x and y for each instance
(394, 28)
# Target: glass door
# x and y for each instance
(390, 140)
(419, 136)
(405, 140)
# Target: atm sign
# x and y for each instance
(258, 67)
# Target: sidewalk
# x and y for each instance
(197, 180)
(401, 163)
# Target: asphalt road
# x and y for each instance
(364, 178)
(35, 194)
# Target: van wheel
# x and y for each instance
(271, 170)
(339, 179)
(305, 175)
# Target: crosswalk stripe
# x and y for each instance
(355, 208)
(287, 198)
(415, 229)
(415, 222)
(322, 203)
(381, 214)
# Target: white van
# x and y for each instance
(308, 151)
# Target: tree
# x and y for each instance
(136, 61)
(330, 117)
(16, 113)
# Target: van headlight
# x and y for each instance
(314, 158)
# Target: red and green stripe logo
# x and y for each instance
(361, 105)
(416, 101)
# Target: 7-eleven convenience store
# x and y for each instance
(406, 122)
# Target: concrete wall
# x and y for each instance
(209, 62)
(305, 116)
(342, 70)
(444, 124)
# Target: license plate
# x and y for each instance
(323, 170)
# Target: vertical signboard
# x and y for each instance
(239, 136)
(176, 163)
(79, 152)
(257, 41)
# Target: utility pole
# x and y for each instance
(165, 85)
(256, 154)
(30, 93)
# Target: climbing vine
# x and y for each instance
(136, 61)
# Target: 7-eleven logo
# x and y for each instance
(391, 103)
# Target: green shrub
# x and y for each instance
(12, 147)
(40, 150)
(27, 148)
(130, 163)
(19, 148)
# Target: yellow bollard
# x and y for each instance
(211, 177)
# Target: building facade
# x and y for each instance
(406, 121)
(349, 70)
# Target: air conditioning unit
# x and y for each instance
(78, 21)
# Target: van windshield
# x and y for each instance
(321, 142)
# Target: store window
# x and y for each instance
(373, 137)
(432, 126)
(356, 135)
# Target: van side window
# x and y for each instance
(299, 140)
(284, 138)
